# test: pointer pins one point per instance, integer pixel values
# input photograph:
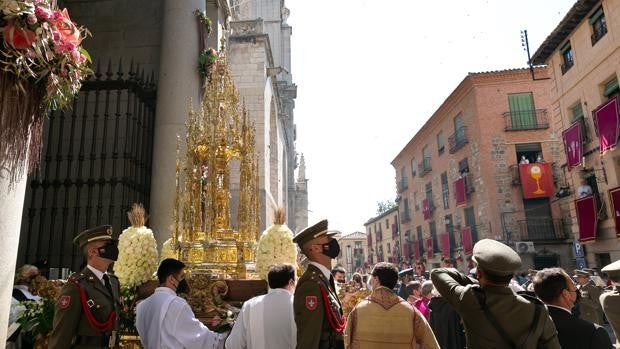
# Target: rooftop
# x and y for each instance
(557, 37)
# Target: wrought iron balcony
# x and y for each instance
(405, 216)
(458, 139)
(537, 229)
(403, 184)
(424, 167)
(526, 120)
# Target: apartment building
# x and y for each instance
(383, 237)
(583, 57)
(485, 165)
(353, 252)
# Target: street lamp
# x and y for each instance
(349, 259)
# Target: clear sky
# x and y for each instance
(370, 73)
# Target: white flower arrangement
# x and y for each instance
(16, 311)
(275, 246)
(137, 257)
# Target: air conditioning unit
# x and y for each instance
(525, 247)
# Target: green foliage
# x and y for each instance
(38, 318)
(384, 206)
(128, 313)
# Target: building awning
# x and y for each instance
(607, 123)
(587, 218)
(573, 145)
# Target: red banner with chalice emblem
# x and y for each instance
(536, 180)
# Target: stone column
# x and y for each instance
(179, 82)
(11, 206)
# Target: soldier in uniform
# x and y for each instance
(589, 305)
(610, 300)
(87, 311)
(493, 315)
(318, 313)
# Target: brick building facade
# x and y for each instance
(458, 178)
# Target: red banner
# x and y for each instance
(607, 124)
(445, 244)
(416, 250)
(468, 244)
(614, 197)
(426, 209)
(587, 218)
(536, 180)
(406, 252)
(573, 145)
(459, 190)
(429, 248)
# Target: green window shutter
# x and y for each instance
(565, 48)
(522, 112)
(611, 88)
(598, 14)
(577, 111)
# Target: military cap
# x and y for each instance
(496, 258)
(405, 272)
(102, 232)
(613, 270)
(581, 273)
(312, 232)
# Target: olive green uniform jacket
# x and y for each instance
(610, 301)
(71, 327)
(313, 329)
(589, 305)
(514, 313)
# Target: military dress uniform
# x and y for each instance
(589, 305)
(610, 300)
(525, 324)
(318, 312)
(88, 308)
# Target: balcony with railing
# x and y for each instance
(405, 215)
(402, 184)
(544, 228)
(526, 120)
(458, 139)
(424, 167)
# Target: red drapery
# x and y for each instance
(445, 244)
(426, 209)
(536, 180)
(587, 218)
(459, 190)
(614, 198)
(607, 124)
(573, 145)
(416, 250)
(468, 244)
(429, 248)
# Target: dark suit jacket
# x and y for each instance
(577, 333)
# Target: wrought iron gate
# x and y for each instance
(96, 162)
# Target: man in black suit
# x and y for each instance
(555, 288)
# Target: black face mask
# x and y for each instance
(331, 249)
(109, 251)
(183, 287)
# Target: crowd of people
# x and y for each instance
(488, 307)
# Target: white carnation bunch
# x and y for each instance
(137, 257)
(275, 246)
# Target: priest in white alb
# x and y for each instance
(165, 320)
(267, 321)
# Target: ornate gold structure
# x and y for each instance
(219, 137)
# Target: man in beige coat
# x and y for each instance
(384, 320)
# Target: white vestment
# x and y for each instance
(165, 320)
(265, 322)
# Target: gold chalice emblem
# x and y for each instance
(536, 173)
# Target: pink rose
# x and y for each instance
(43, 13)
(76, 55)
(69, 33)
(17, 37)
(215, 321)
(31, 19)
